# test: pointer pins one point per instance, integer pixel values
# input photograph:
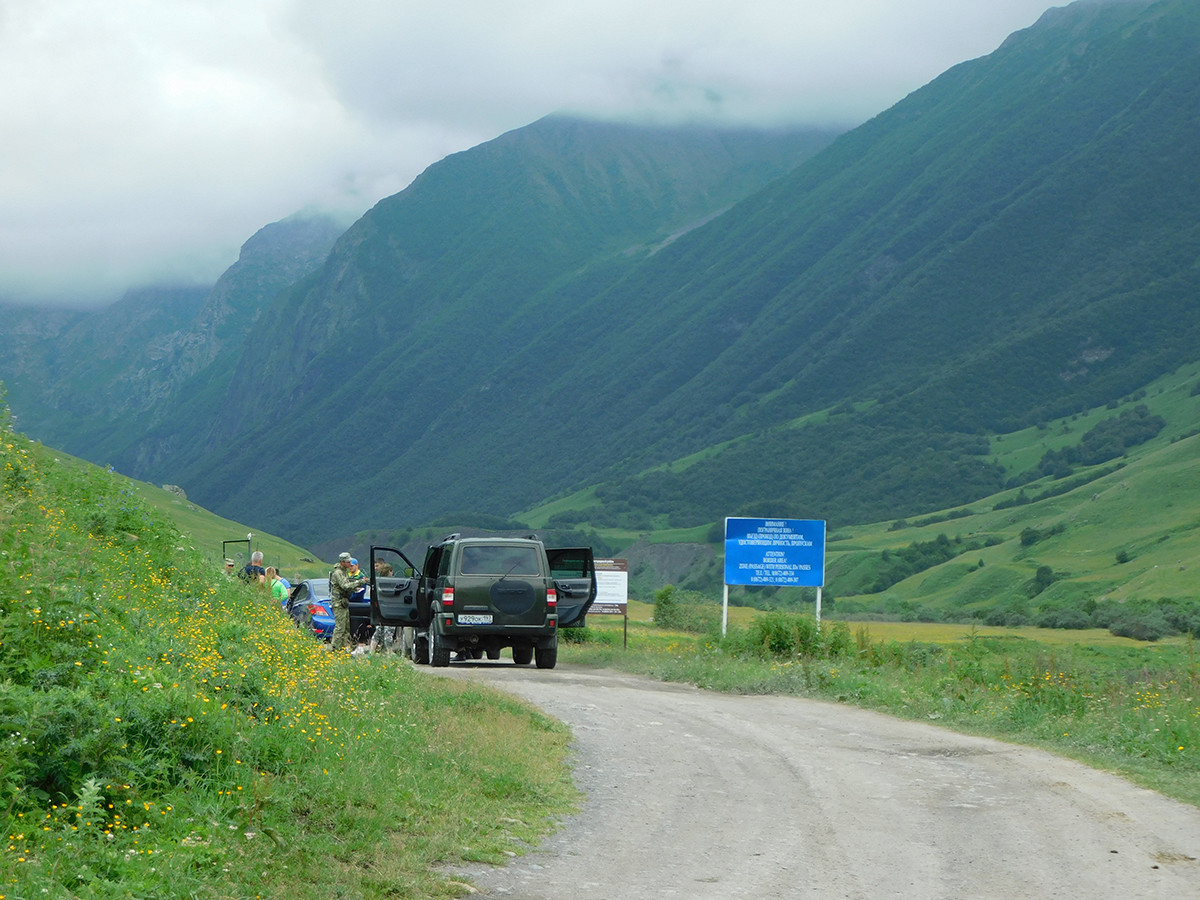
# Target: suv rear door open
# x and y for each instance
(574, 572)
(393, 596)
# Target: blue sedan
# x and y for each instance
(309, 605)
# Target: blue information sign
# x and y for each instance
(783, 552)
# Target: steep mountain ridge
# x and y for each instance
(704, 325)
(425, 294)
(958, 258)
(95, 381)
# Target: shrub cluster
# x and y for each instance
(782, 635)
(1107, 440)
(1148, 620)
(894, 566)
(683, 610)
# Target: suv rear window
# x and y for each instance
(499, 560)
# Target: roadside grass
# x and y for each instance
(165, 732)
(1113, 703)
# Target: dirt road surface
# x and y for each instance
(692, 794)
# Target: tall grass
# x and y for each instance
(165, 732)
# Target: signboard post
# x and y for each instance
(612, 591)
(780, 552)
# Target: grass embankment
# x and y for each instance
(164, 732)
(1113, 703)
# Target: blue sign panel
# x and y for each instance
(783, 552)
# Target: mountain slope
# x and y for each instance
(423, 297)
(1012, 242)
(93, 381)
(659, 316)
(1015, 241)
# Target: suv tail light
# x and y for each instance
(447, 596)
(552, 598)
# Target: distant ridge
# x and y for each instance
(836, 326)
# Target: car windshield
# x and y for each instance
(499, 560)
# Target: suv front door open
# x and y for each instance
(574, 572)
(394, 595)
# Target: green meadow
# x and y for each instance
(1089, 545)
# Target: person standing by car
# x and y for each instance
(384, 636)
(277, 586)
(253, 570)
(359, 638)
(342, 586)
(360, 593)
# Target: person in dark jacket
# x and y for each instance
(253, 571)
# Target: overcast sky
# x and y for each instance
(142, 141)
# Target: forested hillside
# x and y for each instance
(656, 316)
(351, 377)
(96, 380)
(1010, 244)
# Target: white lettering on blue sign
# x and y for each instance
(775, 551)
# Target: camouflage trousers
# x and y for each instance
(341, 627)
(395, 639)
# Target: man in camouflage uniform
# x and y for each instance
(341, 586)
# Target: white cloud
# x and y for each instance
(147, 139)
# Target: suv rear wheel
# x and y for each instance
(420, 650)
(522, 654)
(546, 657)
(439, 653)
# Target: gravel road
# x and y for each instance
(695, 795)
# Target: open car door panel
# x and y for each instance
(393, 588)
(574, 572)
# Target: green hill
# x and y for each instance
(1112, 544)
(164, 724)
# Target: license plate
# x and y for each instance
(469, 619)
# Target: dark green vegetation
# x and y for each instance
(1110, 545)
(165, 732)
(668, 327)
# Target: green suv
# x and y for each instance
(474, 596)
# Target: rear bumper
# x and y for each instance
(459, 636)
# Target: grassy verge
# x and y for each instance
(164, 732)
(1115, 704)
